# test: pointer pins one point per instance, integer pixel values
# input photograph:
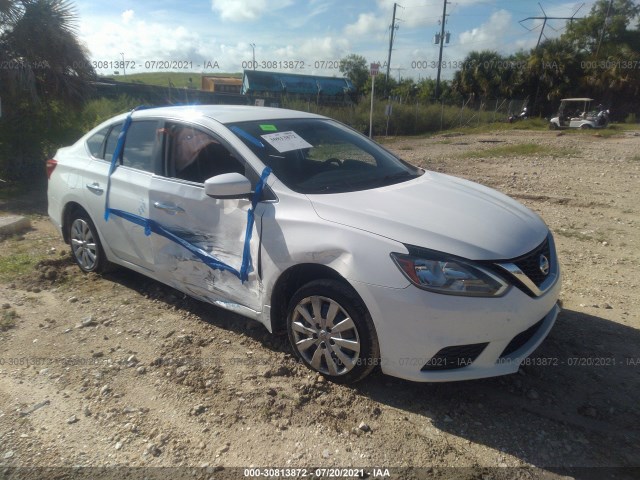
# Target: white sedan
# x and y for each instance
(306, 226)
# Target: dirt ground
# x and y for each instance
(119, 370)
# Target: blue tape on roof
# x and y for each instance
(151, 226)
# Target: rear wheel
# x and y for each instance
(585, 126)
(331, 331)
(85, 244)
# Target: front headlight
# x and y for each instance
(437, 273)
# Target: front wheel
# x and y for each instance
(85, 244)
(331, 331)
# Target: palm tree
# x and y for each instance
(48, 73)
(38, 39)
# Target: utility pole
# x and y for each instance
(393, 28)
(544, 21)
(604, 26)
(444, 19)
(253, 48)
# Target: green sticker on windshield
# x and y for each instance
(268, 128)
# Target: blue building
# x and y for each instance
(259, 85)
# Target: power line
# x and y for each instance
(545, 18)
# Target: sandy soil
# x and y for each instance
(119, 370)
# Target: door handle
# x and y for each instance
(95, 188)
(170, 209)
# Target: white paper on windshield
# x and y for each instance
(286, 141)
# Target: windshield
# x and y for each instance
(322, 156)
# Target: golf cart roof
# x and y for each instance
(577, 100)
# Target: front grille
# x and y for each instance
(530, 263)
(520, 339)
(457, 356)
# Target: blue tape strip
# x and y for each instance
(246, 252)
(151, 226)
(240, 132)
(117, 154)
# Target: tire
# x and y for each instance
(86, 248)
(344, 356)
(553, 126)
(585, 126)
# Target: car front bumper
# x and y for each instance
(429, 337)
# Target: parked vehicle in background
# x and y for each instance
(522, 116)
(311, 228)
(577, 113)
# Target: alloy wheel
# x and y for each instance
(83, 245)
(325, 335)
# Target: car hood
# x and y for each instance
(442, 213)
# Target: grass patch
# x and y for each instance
(584, 235)
(16, 265)
(612, 130)
(635, 158)
(8, 319)
(522, 150)
(537, 124)
(574, 234)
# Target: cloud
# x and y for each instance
(367, 24)
(489, 35)
(142, 42)
(127, 16)
(247, 10)
(302, 19)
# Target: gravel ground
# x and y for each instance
(121, 371)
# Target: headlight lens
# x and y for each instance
(449, 276)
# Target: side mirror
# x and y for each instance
(228, 185)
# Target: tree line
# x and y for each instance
(597, 56)
(46, 78)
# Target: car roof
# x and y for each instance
(222, 113)
(577, 100)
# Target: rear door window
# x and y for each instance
(95, 144)
(112, 140)
(142, 147)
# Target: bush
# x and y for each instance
(30, 134)
(631, 118)
(98, 110)
(405, 119)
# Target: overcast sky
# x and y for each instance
(304, 36)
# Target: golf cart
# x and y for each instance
(577, 113)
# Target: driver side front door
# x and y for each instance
(199, 241)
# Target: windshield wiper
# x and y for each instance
(389, 179)
(348, 185)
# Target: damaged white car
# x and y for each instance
(306, 226)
